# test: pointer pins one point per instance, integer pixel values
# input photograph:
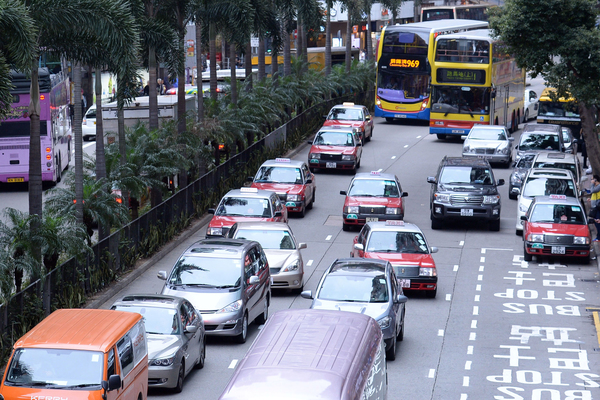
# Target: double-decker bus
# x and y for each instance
(559, 111)
(464, 11)
(474, 81)
(404, 55)
(55, 129)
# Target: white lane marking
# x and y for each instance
(393, 157)
(469, 349)
(481, 268)
(468, 365)
(465, 381)
(440, 332)
(463, 396)
(328, 237)
(498, 249)
(462, 243)
(472, 336)
(475, 310)
(473, 324)
(405, 146)
(455, 268)
(479, 277)
(431, 373)
(483, 250)
(448, 296)
(476, 297)
(309, 263)
(478, 288)
(419, 137)
(482, 259)
(85, 146)
(233, 364)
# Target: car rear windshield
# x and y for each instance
(539, 141)
(456, 175)
(278, 175)
(557, 214)
(355, 288)
(244, 207)
(206, 272)
(397, 242)
(374, 188)
(540, 186)
(158, 320)
(268, 239)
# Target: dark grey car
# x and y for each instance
(521, 167)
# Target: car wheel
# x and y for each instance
(358, 164)
(430, 294)
(370, 137)
(400, 335)
(180, 375)
(312, 169)
(202, 358)
(526, 115)
(441, 136)
(586, 260)
(345, 227)
(436, 223)
(262, 318)
(302, 212)
(312, 201)
(388, 119)
(495, 226)
(391, 353)
(241, 338)
(526, 255)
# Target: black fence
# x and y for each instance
(68, 285)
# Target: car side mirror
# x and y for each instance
(211, 211)
(277, 214)
(358, 144)
(401, 298)
(514, 164)
(517, 147)
(523, 217)
(368, 117)
(431, 179)
(254, 280)
(511, 139)
(404, 194)
(191, 329)
(249, 179)
(359, 246)
(591, 220)
(162, 275)
(301, 246)
(500, 182)
(434, 250)
(343, 192)
(307, 294)
(309, 141)
(309, 180)
(114, 382)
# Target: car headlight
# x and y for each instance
(581, 240)
(535, 237)
(315, 156)
(442, 198)
(294, 197)
(392, 211)
(162, 362)
(233, 307)
(348, 157)
(293, 266)
(491, 199)
(515, 179)
(427, 271)
(523, 207)
(384, 322)
(215, 231)
(352, 210)
(466, 149)
(502, 150)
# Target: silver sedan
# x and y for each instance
(489, 142)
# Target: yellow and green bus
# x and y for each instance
(559, 111)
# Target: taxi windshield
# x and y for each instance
(244, 207)
(559, 165)
(207, 272)
(345, 114)
(557, 214)
(539, 141)
(55, 368)
(539, 186)
(397, 242)
(278, 175)
(354, 288)
(158, 320)
(334, 139)
(456, 175)
(268, 239)
(374, 188)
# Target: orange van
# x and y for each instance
(80, 354)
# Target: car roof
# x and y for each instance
(266, 226)
(568, 201)
(372, 176)
(150, 300)
(541, 128)
(498, 127)
(383, 226)
(283, 162)
(339, 128)
(555, 156)
(469, 162)
(551, 173)
(219, 247)
(345, 105)
(359, 266)
(250, 192)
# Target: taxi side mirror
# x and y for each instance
(368, 117)
(162, 275)
(343, 192)
(309, 141)
(309, 180)
(523, 217)
(511, 139)
(249, 179)
(359, 143)
(359, 246)
(514, 164)
(591, 220)
(434, 249)
(277, 214)
(211, 211)
(404, 194)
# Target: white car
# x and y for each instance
(531, 105)
(544, 182)
(489, 142)
(88, 125)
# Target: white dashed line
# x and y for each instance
(468, 365)
(478, 288)
(465, 381)
(469, 349)
(483, 251)
(448, 296)
(441, 332)
(479, 277)
(462, 243)
(482, 259)
(419, 137)
(476, 297)
(393, 157)
(463, 396)
(86, 146)
(481, 268)
(474, 324)
(472, 336)
(309, 263)
(431, 373)
(455, 268)
(328, 237)
(233, 364)
(405, 146)
(475, 310)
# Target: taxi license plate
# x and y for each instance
(558, 250)
(331, 165)
(404, 283)
(371, 219)
(15, 180)
(466, 212)
(537, 246)
(399, 116)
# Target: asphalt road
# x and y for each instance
(499, 328)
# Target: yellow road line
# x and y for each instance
(597, 324)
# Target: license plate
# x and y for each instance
(399, 116)
(371, 219)
(468, 212)
(537, 246)
(290, 204)
(404, 283)
(483, 157)
(558, 250)
(314, 161)
(15, 180)
(457, 131)
(331, 165)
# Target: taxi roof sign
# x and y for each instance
(283, 160)
(375, 172)
(558, 196)
(348, 103)
(248, 190)
(394, 223)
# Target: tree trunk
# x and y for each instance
(348, 43)
(248, 66)
(223, 52)
(212, 45)
(274, 67)
(181, 101)
(394, 15)
(78, 142)
(287, 54)
(261, 58)
(592, 145)
(305, 47)
(35, 151)
(369, 52)
(199, 65)
(100, 155)
(328, 40)
(121, 129)
(234, 82)
(152, 93)
(89, 90)
(299, 38)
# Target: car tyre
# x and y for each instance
(586, 260)
(302, 212)
(262, 318)
(441, 136)
(526, 115)
(202, 357)
(241, 338)
(400, 335)
(436, 223)
(180, 376)
(345, 227)
(430, 294)
(312, 201)
(370, 137)
(526, 255)
(388, 119)
(495, 225)
(312, 169)
(391, 353)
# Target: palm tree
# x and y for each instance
(394, 7)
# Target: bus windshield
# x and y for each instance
(463, 50)
(558, 109)
(461, 99)
(402, 88)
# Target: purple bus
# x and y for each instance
(55, 129)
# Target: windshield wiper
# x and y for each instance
(199, 285)
(225, 286)
(81, 385)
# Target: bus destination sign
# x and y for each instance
(404, 63)
(451, 75)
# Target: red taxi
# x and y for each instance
(291, 180)
(372, 197)
(245, 204)
(355, 116)
(335, 147)
(405, 247)
(556, 225)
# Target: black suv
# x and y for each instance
(465, 188)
